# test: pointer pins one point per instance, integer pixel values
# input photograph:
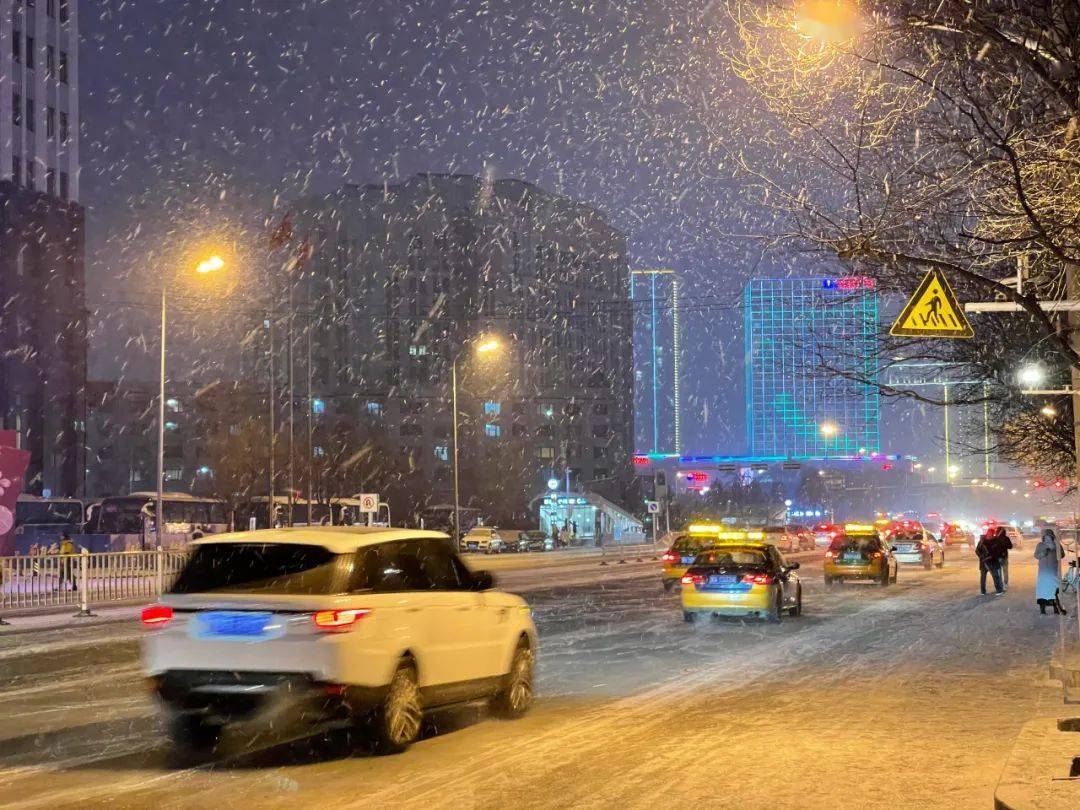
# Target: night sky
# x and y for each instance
(214, 114)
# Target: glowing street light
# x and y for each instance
(826, 20)
(1031, 376)
(828, 429)
(210, 264)
(483, 345)
(1049, 411)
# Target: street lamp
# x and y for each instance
(1031, 376)
(482, 346)
(207, 266)
(826, 20)
(1049, 411)
(828, 429)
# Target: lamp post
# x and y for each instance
(485, 346)
(211, 264)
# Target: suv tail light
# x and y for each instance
(339, 620)
(693, 579)
(156, 615)
(758, 579)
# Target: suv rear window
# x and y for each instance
(733, 558)
(692, 543)
(276, 568)
(854, 543)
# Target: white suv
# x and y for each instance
(297, 630)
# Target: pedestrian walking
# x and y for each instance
(1004, 544)
(1049, 553)
(66, 550)
(987, 551)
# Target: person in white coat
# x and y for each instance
(1049, 553)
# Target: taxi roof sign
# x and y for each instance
(933, 312)
(860, 527)
(705, 528)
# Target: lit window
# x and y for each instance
(318, 451)
(545, 452)
(374, 408)
(204, 470)
(318, 406)
(546, 409)
(442, 452)
(494, 431)
(492, 408)
(171, 426)
(173, 473)
(418, 351)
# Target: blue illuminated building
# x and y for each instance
(795, 328)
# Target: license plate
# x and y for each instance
(687, 560)
(904, 549)
(853, 557)
(235, 624)
(720, 579)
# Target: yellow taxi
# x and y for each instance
(741, 579)
(696, 538)
(858, 552)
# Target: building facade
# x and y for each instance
(406, 278)
(811, 348)
(655, 294)
(42, 286)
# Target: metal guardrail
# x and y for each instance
(85, 579)
(622, 553)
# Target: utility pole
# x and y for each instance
(292, 405)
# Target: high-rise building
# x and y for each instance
(811, 350)
(655, 294)
(42, 289)
(404, 277)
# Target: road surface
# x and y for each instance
(908, 696)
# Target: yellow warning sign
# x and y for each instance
(933, 312)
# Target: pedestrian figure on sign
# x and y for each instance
(989, 562)
(934, 315)
(1049, 553)
(66, 549)
(1004, 544)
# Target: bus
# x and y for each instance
(40, 521)
(185, 514)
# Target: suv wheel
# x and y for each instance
(776, 614)
(397, 722)
(191, 737)
(516, 695)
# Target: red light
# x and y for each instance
(670, 557)
(641, 459)
(339, 620)
(697, 477)
(886, 467)
(693, 579)
(758, 579)
(156, 615)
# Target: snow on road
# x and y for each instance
(901, 697)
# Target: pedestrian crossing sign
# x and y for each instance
(933, 312)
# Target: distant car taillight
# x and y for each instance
(758, 579)
(669, 557)
(830, 554)
(339, 620)
(693, 579)
(156, 615)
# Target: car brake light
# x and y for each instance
(693, 579)
(156, 615)
(339, 620)
(669, 557)
(830, 554)
(873, 555)
(758, 579)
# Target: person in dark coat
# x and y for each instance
(988, 551)
(1004, 544)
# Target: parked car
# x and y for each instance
(535, 540)
(297, 631)
(485, 539)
